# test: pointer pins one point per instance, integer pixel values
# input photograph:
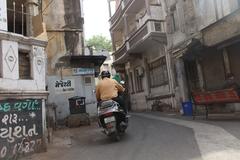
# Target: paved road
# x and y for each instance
(146, 139)
(149, 137)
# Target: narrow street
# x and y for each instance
(149, 137)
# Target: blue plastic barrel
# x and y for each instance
(187, 108)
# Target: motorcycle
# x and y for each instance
(112, 119)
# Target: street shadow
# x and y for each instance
(102, 139)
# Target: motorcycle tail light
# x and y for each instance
(109, 125)
(108, 114)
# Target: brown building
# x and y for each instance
(22, 79)
(67, 62)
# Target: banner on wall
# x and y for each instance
(83, 71)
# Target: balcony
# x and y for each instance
(120, 52)
(151, 30)
(123, 8)
(117, 15)
(141, 40)
(131, 7)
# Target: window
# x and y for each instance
(138, 79)
(174, 18)
(158, 73)
(158, 26)
(131, 80)
(24, 65)
(88, 80)
(155, 3)
(16, 18)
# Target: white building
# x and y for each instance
(138, 30)
(22, 77)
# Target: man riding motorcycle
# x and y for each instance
(107, 89)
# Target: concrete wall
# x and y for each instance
(139, 100)
(213, 70)
(80, 89)
(222, 30)
(10, 67)
(21, 99)
(208, 11)
(234, 57)
(64, 26)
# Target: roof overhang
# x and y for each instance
(150, 40)
(77, 61)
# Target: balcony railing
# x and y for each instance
(144, 30)
(126, 2)
(120, 11)
(156, 11)
(138, 36)
(120, 52)
(117, 14)
(150, 28)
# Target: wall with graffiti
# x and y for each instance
(21, 129)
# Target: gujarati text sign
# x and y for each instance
(20, 127)
(64, 86)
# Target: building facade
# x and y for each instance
(138, 30)
(70, 72)
(22, 79)
(203, 40)
(170, 49)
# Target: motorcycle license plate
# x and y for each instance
(109, 119)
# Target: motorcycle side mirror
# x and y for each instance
(122, 82)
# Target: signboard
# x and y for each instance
(3, 15)
(64, 86)
(83, 71)
(20, 127)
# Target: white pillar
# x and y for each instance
(226, 61)
(182, 80)
(147, 7)
(3, 15)
(109, 8)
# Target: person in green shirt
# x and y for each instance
(117, 78)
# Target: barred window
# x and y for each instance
(174, 17)
(131, 80)
(88, 80)
(158, 73)
(17, 16)
(24, 65)
(138, 80)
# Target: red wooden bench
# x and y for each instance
(214, 97)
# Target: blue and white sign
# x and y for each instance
(83, 71)
(3, 15)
